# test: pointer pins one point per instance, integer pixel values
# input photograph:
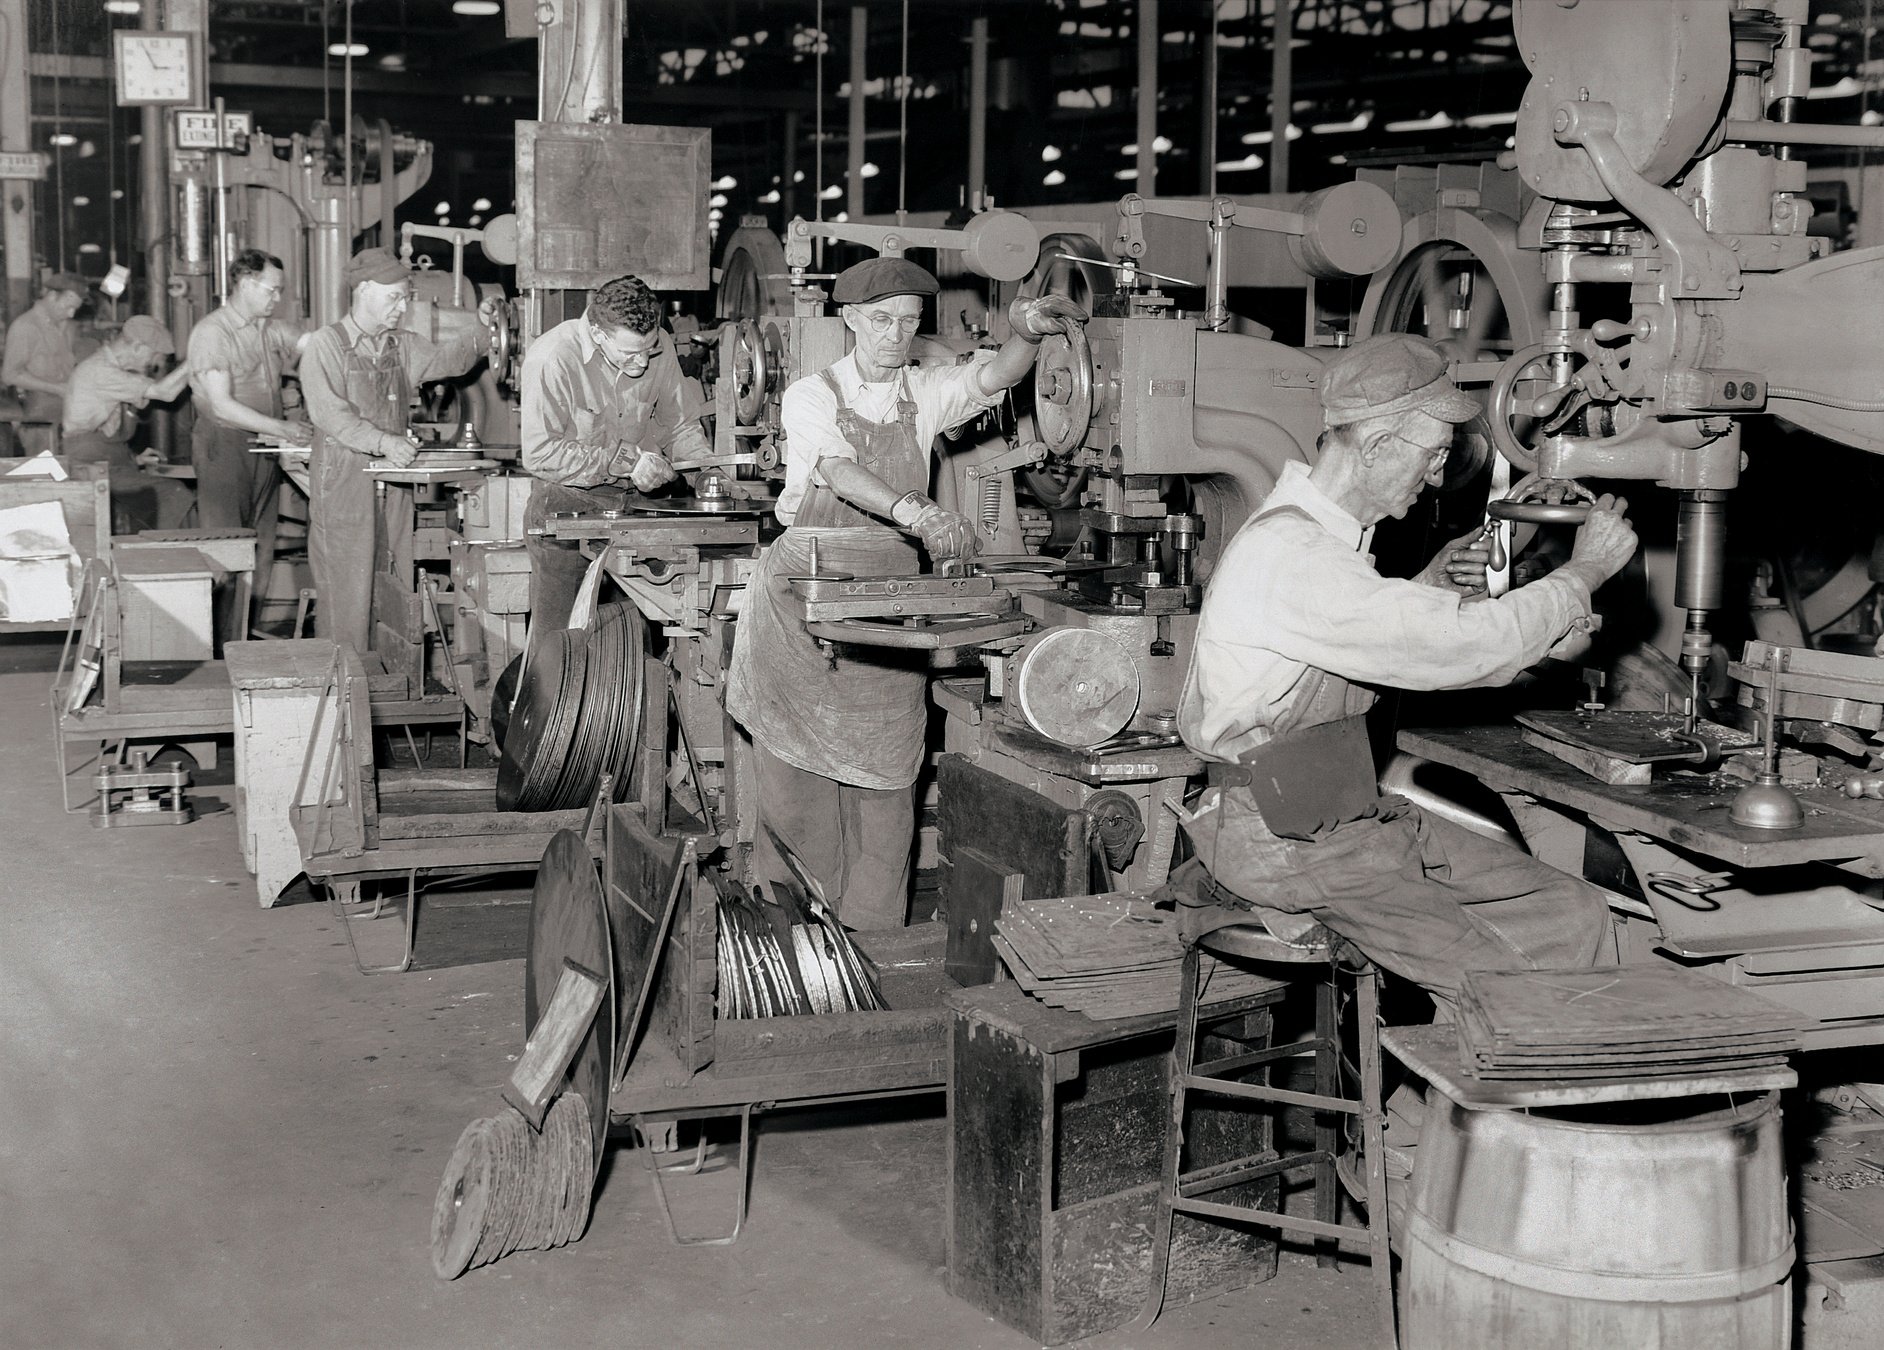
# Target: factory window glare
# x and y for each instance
(1053, 179)
(726, 183)
(475, 220)
(481, 204)
(798, 176)
(1496, 119)
(442, 209)
(476, 9)
(87, 149)
(89, 248)
(841, 217)
(1126, 175)
(832, 193)
(123, 7)
(718, 199)
(868, 170)
(1439, 121)
(1265, 136)
(117, 194)
(1358, 122)
(1249, 161)
(769, 198)
(342, 49)
(1049, 153)
(62, 139)
(81, 201)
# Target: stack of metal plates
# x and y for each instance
(1113, 955)
(1617, 1022)
(577, 714)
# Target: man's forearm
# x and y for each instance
(860, 487)
(21, 379)
(229, 412)
(1008, 367)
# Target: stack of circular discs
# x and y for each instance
(543, 722)
(611, 701)
(509, 1188)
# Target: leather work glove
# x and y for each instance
(944, 534)
(1034, 319)
(650, 471)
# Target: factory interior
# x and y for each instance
(942, 673)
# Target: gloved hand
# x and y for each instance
(946, 534)
(397, 451)
(650, 470)
(1034, 319)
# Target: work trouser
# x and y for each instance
(1418, 894)
(556, 566)
(236, 489)
(352, 536)
(139, 500)
(856, 841)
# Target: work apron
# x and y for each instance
(350, 534)
(235, 488)
(856, 715)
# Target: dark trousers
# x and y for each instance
(139, 500)
(556, 567)
(857, 841)
(236, 490)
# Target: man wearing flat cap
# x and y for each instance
(41, 353)
(1299, 630)
(838, 736)
(602, 413)
(357, 380)
(102, 398)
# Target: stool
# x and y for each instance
(1181, 1192)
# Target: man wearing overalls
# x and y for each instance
(838, 736)
(357, 380)
(1298, 631)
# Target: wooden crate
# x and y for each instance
(165, 594)
(85, 498)
(1056, 1136)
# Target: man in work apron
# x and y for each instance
(1297, 631)
(357, 378)
(838, 732)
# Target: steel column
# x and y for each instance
(1147, 184)
(859, 45)
(1281, 94)
(977, 107)
(16, 133)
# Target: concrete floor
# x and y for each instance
(215, 1133)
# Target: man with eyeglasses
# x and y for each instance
(1299, 630)
(838, 735)
(357, 379)
(602, 413)
(237, 356)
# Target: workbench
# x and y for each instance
(1784, 912)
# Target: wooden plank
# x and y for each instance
(435, 780)
(645, 878)
(473, 826)
(1603, 768)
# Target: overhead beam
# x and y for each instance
(238, 75)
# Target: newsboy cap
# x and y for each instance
(880, 278)
(142, 328)
(375, 264)
(67, 281)
(1392, 373)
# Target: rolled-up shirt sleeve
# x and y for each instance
(324, 390)
(1327, 607)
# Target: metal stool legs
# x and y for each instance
(1182, 1192)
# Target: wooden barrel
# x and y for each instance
(1644, 1224)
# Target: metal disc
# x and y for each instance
(463, 1198)
(568, 921)
(699, 506)
(503, 693)
(1076, 686)
(543, 721)
(594, 726)
(628, 726)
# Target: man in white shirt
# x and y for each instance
(1297, 632)
(838, 735)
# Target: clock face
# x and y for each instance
(155, 68)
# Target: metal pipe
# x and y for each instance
(1804, 133)
(859, 50)
(1281, 94)
(787, 189)
(977, 107)
(1207, 109)
(16, 134)
(1147, 184)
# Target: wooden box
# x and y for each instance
(86, 501)
(165, 593)
(1056, 1137)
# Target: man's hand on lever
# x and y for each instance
(1034, 318)
(1460, 565)
(945, 534)
(1605, 542)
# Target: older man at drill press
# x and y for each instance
(838, 735)
(357, 379)
(1299, 630)
(602, 412)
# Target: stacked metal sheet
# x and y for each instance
(1617, 1022)
(1107, 956)
(786, 955)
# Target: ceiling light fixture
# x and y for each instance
(1053, 179)
(476, 9)
(342, 49)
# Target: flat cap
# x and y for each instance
(880, 278)
(1392, 373)
(142, 328)
(67, 281)
(375, 264)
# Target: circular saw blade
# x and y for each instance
(569, 921)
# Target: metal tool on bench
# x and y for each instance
(136, 794)
(1765, 804)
